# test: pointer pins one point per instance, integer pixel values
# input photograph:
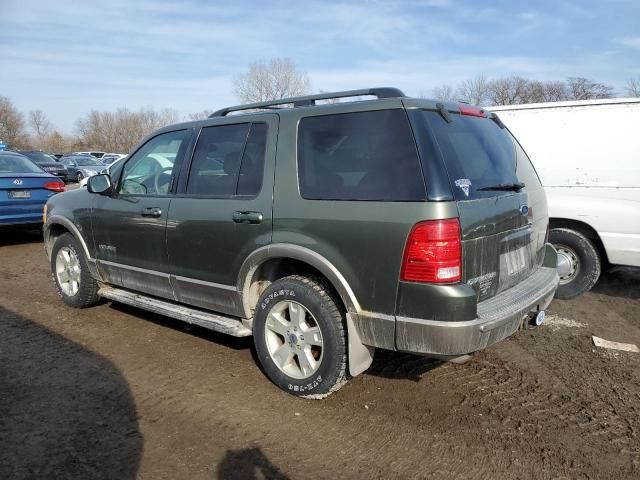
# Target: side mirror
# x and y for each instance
(100, 184)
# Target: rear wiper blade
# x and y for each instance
(514, 187)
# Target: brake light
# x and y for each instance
(433, 253)
(55, 186)
(472, 111)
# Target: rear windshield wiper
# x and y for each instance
(512, 187)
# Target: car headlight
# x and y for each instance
(88, 173)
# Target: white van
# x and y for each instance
(587, 154)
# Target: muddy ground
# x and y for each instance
(114, 392)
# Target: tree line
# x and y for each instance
(120, 130)
(517, 90)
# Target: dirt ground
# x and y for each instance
(114, 392)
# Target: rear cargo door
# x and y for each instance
(501, 204)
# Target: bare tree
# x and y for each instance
(119, 131)
(443, 92)
(474, 91)
(555, 91)
(199, 115)
(39, 123)
(279, 78)
(580, 88)
(12, 127)
(510, 91)
(633, 86)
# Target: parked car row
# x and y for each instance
(72, 166)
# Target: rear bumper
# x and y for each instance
(497, 318)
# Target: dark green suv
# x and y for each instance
(323, 230)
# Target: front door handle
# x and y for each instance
(247, 217)
(154, 212)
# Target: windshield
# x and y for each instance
(17, 164)
(86, 161)
(477, 153)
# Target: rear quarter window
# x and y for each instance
(367, 156)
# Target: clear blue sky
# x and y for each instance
(67, 57)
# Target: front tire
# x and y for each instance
(300, 337)
(70, 272)
(578, 262)
(79, 177)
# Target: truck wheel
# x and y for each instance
(299, 335)
(578, 262)
(74, 283)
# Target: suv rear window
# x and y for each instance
(477, 153)
(359, 156)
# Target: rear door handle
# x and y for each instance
(154, 212)
(247, 217)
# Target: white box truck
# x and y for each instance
(587, 154)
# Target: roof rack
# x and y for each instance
(310, 100)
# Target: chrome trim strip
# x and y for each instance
(220, 286)
(135, 269)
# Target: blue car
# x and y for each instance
(24, 189)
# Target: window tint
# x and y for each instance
(359, 156)
(228, 160)
(477, 153)
(149, 170)
(252, 168)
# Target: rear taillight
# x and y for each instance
(472, 111)
(54, 186)
(433, 252)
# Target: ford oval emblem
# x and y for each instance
(524, 209)
(18, 181)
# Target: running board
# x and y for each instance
(219, 323)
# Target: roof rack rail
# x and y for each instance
(310, 100)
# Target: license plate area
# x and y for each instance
(515, 261)
(19, 194)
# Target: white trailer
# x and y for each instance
(587, 154)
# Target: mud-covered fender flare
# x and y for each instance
(68, 225)
(360, 355)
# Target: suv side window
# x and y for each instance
(228, 160)
(148, 171)
(359, 156)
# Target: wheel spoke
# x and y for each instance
(276, 323)
(306, 361)
(63, 276)
(282, 355)
(297, 314)
(312, 336)
(75, 275)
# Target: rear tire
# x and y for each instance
(70, 272)
(579, 263)
(300, 337)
